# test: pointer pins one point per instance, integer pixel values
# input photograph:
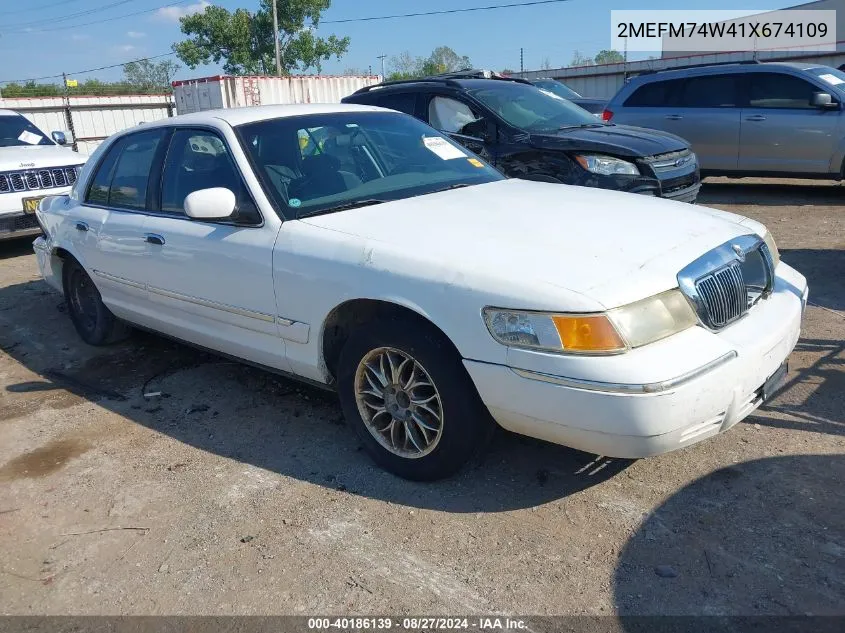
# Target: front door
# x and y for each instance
(782, 131)
(462, 123)
(211, 283)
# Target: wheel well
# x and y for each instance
(62, 253)
(347, 316)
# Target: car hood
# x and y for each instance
(617, 140)
(611, 247)
(36, 156)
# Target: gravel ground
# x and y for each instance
(237, 492)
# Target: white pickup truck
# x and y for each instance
(31, 166)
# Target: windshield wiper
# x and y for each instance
(344, 207)
(460, 185)
(580, 126)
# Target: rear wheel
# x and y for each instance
(403, 388)
(92, 319)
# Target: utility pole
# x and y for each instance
(69, 113)
(382, 58)
(521, 61)
(276, 39)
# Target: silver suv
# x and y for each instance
(745, 119)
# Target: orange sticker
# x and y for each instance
(476, 162)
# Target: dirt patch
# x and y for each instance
(44, 460)
(234, 491)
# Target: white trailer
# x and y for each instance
(226, 91)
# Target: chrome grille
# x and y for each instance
(31, 179)
(726, 282)
(670, 161)
(59, 177)
(724, 295)
(28, 180)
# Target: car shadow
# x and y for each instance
(763, 537)
(258, 418)
(820, 267)
(811, 397)
(776, 194)
(16, 246)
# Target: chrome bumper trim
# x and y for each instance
(614, 387)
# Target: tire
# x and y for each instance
(93, 321)
(429, 451)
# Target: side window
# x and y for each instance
(198, 159)
(777, 90)
(450, 115)
(98, 192)
(128, 187)
(403, 102)
(711, 91)
(657, 94)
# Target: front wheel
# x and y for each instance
(404, 389)
(92, 319)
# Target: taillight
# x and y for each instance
(606, 115)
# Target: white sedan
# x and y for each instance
(359, 249)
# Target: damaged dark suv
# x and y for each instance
(533, 134)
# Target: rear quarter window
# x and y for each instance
(403, 102)
(656, 94)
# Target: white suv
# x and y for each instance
(32, 166)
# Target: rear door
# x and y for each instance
(110, 223)
(782, 131)
(704, 110)
(649, 105)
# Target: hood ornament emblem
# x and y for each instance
(740, 253)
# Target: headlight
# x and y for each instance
(652, 319)
(616, 331)
(606, 165)
(554, 332)
(773, 248)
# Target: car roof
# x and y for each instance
(9, 113)
(709, 69)
(251, 114)
(433, 82)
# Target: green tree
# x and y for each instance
(580, 60)
(148, 75)
(609, 57)
(243, 40)
(442, 60)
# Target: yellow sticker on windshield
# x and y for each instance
(475, 162)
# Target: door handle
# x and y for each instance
(81, 226)
(755, 117)
(674, 117)
(154, 238)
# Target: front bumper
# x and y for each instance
(661, 413)
(20, 224)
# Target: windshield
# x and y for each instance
(15, 131)
(533, 109)
(331, 162)
(831, 76)
(561, 90)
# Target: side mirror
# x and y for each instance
(822, 100)
(216, 203)
(59, 137)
